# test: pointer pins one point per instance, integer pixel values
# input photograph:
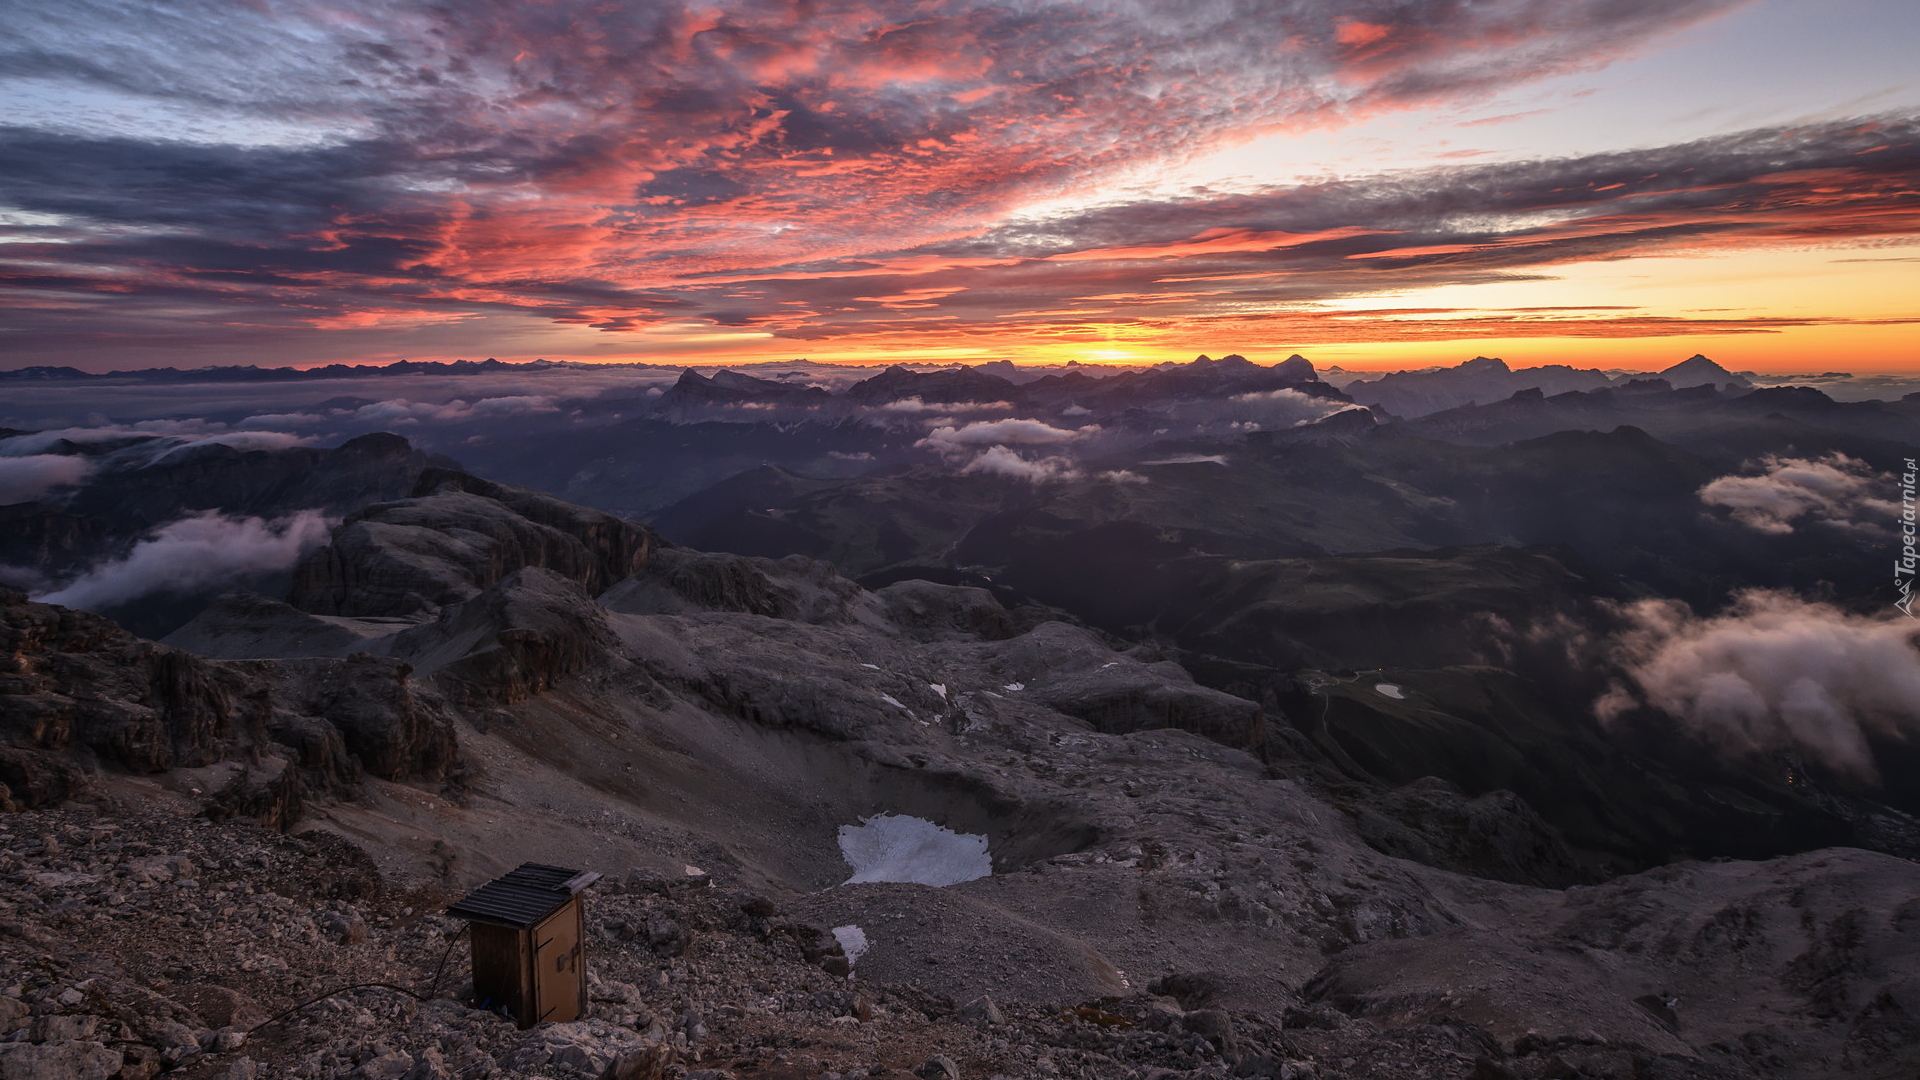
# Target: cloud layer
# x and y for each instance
(1773, 674)
(817, 171)
(29, 477)
(196, 553)
(1836, 489)
(1010, 432)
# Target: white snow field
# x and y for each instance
(853, 941)
(911, 850)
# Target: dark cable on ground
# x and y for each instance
(432, 988)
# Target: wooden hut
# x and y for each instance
(528, 936)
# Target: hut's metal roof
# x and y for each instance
(522, 897)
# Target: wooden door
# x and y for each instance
(557, 972)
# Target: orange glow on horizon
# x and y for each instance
(1858, 349)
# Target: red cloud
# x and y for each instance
(763, 163)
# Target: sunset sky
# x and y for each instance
(1611, 183)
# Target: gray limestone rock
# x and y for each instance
(457, 535)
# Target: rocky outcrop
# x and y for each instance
(240, 625)
(1074, 672)
(929, 612)
(457, 535)
(39, 542)
(162, 485)
(386, 723)
(33, 779)
(77, 692)
(271, 796)
(517, 639)
(1496, 835)
(75, 681)
(678, 581)
(1824, 937)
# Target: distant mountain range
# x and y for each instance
(1483, 379)
(1403, 393)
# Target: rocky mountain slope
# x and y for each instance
(1179, 886)
(132, 486)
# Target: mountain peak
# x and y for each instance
(1296, 368)
(1697, 370)
(1697, 362)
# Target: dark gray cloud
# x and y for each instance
(241, 171)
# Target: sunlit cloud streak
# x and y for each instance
(1280, 254)
(363, 165)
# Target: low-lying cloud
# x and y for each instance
(1773, 673)
(914, 406)
(239, 440)
(196, 553)
(400, 412)
(280, 420)
(949, 440)
(1836, 489)
(1261, 409)
(1000, 461)
(111, 446)
(23, 479)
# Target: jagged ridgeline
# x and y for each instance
(1198, 864)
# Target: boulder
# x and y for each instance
(270, 794)
(70, 1060)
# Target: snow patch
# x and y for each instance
(853, 942)
(1390, 690)
(911, 850)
